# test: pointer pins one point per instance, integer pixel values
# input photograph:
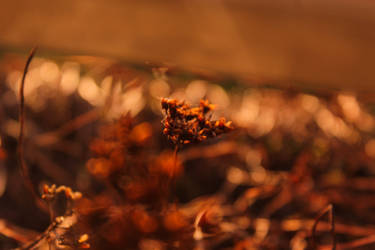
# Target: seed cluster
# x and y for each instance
(49, 193)
(184, 124)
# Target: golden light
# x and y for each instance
(70, 77)
(262, 227)
(133, 101)
(235, 175)
(218, 95)
(335, 126)
(258, 174)
(159, 88)
(309, 103)
(49, 71)
(89, 91)
(248, 111)
(350, 106)
(195, 91)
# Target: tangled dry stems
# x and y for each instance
(135, 210)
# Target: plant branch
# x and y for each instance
(21, 154)
(329, 210)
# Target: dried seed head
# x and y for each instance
(49, 193)
(184, 125)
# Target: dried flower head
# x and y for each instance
(184, 124)
(49, 193)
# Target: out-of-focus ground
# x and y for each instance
(314, 44)
(291, 155)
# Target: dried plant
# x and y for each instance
(61, 233)
(184, 125)
(24, 168)
(57, 233)
(257, 191)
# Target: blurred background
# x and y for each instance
(295, 77)
(315, 44)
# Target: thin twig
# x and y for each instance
(355, 243)
(53, 137)
(19, 234)
(175, 156)
(44, 235)
(172, 180)
(294, 225)
(25, 170)
(329, 210)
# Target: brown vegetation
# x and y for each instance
(290, 158)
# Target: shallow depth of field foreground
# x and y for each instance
(100, 154)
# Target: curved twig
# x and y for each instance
(20, 149)
(329, 210)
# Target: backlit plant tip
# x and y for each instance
(184, 124)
